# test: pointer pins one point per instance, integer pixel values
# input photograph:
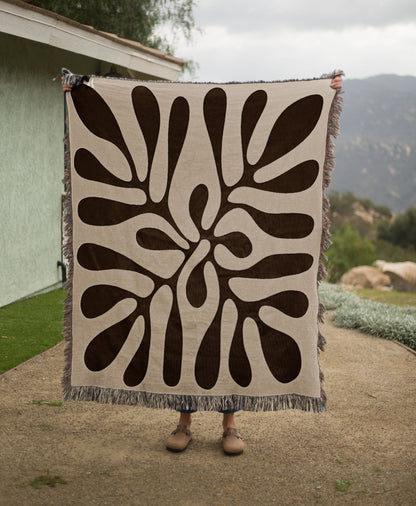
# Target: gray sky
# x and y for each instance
(277, 39)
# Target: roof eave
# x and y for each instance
(30, 22)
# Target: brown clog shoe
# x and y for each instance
(179, 439)
(232, 442)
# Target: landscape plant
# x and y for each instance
(138, 20)
(381, 320)
(46, 480)
(393, 253)
(348, 250)
(402, 231)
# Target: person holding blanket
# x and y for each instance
(178, 441)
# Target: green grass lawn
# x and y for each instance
(29, 327)
(388, 297)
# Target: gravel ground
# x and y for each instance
(116, 455)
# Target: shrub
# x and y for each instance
(394, 253)
(381, 320)
(402, 231)
(348, 250)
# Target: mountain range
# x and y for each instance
(376, 148)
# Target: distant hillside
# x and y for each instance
(376, 150)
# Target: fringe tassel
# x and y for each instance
(329, 164)
(69, 257)
(197, 403)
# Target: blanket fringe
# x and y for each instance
(69, 257)
(329, 165)
(197, 403)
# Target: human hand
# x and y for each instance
(336, 82)
(66, 87)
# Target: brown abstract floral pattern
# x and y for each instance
(204, 258)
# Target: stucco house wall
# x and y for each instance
(31, 137)
(31, 163)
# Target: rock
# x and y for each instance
(402, 275)
(379, 264)
(366, 277)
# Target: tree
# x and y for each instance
(402, 231)
(361, 213)
(342, 203)
(138, 20)
(393, 253)
(348, 250)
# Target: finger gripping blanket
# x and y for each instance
(195, 217)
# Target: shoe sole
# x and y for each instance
(233, 454)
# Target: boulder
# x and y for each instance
(366, 277)
(402, 275)
(379, 264)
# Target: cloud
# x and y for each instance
(256, 16)
(272, 40)
(284, 54)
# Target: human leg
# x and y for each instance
(228, 419)
(181, 436)
(185, 418)
(232, 442)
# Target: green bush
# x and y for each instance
(402, 231)
(381, 320)
(394, 253)
(348, 250)
(344, 208)
(332, 296)
(342, 203)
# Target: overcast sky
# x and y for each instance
(283, 39)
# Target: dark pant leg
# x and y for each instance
(225, 411)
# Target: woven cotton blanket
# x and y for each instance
(196, 218)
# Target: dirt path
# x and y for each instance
(115, 454)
